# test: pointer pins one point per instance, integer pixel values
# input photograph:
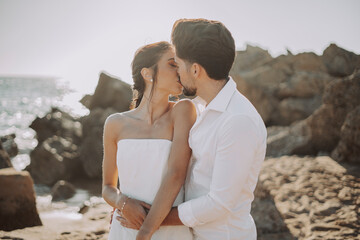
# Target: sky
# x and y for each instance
(75, 40)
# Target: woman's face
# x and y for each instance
(167, 77)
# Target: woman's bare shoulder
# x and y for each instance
(117, 120)
(184, 105)
(184, 108)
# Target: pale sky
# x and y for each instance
(76, 39)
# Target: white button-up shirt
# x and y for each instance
(228, 142)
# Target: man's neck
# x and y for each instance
(209, 88)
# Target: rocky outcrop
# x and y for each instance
(348, 148)
(86, 100)
(53, 159)
(70, 147)
(290, 87)
(321, 132)
(340, 98)
(9, 145)
(57, 123)
(340, 62)
(91, 150)
(111, 93)
(17, 200)
(315, 197)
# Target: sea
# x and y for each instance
(22, 99)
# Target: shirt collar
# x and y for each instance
(222, 99)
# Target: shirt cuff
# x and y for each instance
(186, 214)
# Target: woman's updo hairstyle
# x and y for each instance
(146, 57)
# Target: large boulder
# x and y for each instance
(62, 190)
(17, 200)
(111, 92)
(54, 159)
(4, 158)
(91, 150)
(58, 123)
(9, 144)
(340, 62)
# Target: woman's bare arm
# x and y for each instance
(133, 211)
(184, 116)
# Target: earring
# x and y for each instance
(151, 80)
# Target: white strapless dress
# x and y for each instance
(142, 164)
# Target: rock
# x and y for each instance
(111, 92)
(348, 148)
(4, 158)
(86, 100)
(85, 206)
(291, 109)
(339, 62)
(308, 62)
(308, 193)
(304, 85)
(17, 200)
(62, 190)
(91, 150)
(58, 123)
(340, 97)
(54, 159)
(321, 132)
(264, 102)
(10, 145)
(283, 89)
(250, 59)
(288, 140)
(268, 220)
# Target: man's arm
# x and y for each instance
(237, 146)
(172, 218)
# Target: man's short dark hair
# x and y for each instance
(206, 42)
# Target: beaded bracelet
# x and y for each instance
(122, 208)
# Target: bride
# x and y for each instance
(147, 149)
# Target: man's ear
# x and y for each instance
(147, 73)
(196, 70)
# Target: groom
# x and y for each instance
(228, 139)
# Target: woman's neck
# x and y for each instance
(151, 109)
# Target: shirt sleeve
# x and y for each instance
(236, 149)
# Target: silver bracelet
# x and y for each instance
(122, 208)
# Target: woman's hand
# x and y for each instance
(124, 222)
(133, 211)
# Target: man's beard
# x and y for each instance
(189, 91)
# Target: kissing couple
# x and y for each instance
(186, 169)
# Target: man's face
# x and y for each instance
(185, 77)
